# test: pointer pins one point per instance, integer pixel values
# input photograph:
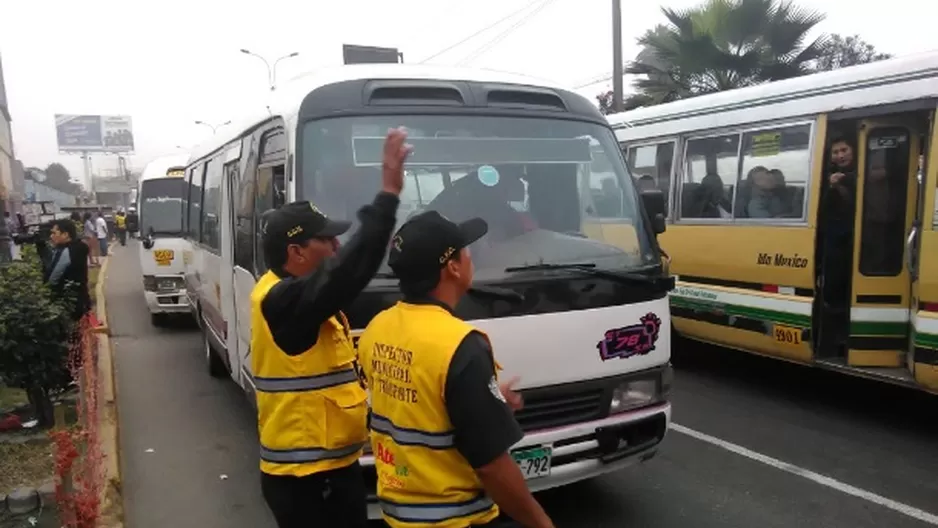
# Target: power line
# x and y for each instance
(594, 80)
(505, 34)
(483, 30)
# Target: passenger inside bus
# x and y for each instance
(768, 197)
(468, 197)
(645, 182)
(710, 199)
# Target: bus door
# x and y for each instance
(922, 262)
(881, 296)
(229, 189)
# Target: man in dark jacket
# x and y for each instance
(836, 222)
(133, 222)
(65, 265)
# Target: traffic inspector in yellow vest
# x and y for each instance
(312, 408)
(441, 425)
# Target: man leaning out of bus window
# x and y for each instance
(312, 408)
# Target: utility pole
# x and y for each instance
(213, 127)
(271, 70)
(616, 55)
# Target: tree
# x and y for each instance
(841, 52)
(721, 45)
(34, 332)
(58, 177)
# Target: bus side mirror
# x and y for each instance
(148, 240)
(653, 201)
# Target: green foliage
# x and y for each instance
(58, 177)
(34, 328)
(841, 52)
(721, 45)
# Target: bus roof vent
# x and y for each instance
(417, 93)
(524, 97)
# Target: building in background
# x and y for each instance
(6, 148)
(35, 190)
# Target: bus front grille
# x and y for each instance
(547, 410)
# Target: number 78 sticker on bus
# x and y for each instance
(633, 340)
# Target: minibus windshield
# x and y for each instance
(161, 206)
(552, 191)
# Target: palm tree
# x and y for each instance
(722, 45)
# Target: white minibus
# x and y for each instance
(160, 197)
(586, 326)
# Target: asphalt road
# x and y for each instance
(759, 443)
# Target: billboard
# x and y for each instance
(352, 54)
(94, 133)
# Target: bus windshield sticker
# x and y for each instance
(432, 151)
(634, 340)
(766, 144)
(488, 175)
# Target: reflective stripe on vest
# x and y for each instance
(306, 383)
(429, 513)
(404, 436)
(312, 454)
(311, 408)
(423, 480)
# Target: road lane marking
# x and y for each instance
(823, 480)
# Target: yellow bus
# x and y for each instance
(803, 216)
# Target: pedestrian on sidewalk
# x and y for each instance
(312, 406)
(90, 236)
(65, 266)
(101, 231)
(120, 225)
(438, 410)
(133, 222)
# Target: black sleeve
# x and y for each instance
(43, 251)
(485, 426)
(297, 306)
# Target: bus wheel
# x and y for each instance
(216, 367)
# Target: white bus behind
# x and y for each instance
(160, 198)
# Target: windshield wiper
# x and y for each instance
(501, 294)
(591, 269)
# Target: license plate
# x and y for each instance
(163, 257)
(787, 335)
(534, 461)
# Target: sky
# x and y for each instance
(168, 64)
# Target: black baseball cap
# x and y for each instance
(296, 222)
(426, 242)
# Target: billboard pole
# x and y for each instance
(86, 165)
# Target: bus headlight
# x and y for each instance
(642, 392)
(633, 394)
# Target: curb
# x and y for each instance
(111, 501)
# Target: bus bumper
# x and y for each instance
(168, 303)
(580, 451)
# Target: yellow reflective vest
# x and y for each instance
(311, 408)
(423, 480)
